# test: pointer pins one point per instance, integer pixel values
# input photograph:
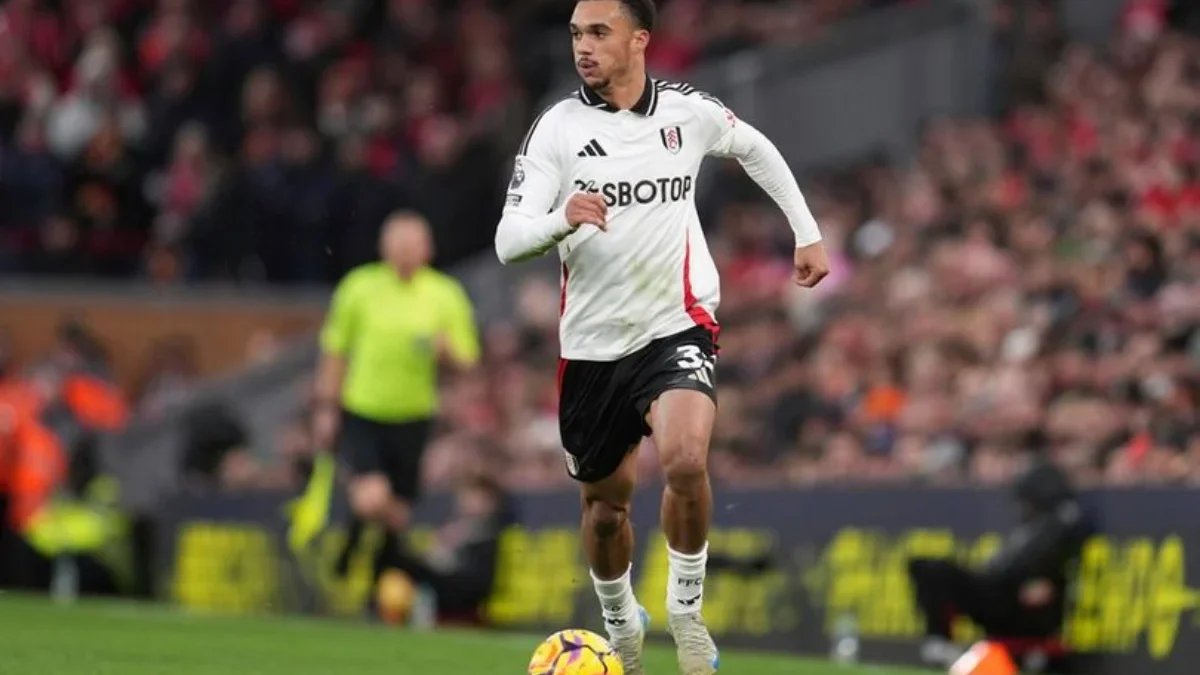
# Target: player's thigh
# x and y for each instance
(682, 420)
(598, 422)
(615, 489)
(362, 445)
(404, 458)
(677, 398)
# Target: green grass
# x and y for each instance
(40, 638)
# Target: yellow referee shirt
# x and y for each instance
(388, 328)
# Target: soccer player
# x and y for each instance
(607, 175)
(390, 325)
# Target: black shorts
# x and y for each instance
(394, 450)
(602, 405)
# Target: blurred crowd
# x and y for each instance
(1026, 284)
(266, 139)
(1029, 283)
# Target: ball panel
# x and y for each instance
(575, 652)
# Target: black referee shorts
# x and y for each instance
(603, 405)
(394, 450)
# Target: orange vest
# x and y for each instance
(17, 404)
(96, 403)
(40, 467)
(33, 461)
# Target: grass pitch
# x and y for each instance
(95, 638)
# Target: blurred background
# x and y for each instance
(1009, 189)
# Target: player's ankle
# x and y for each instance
(685, 581)
(617, 603)
(625, 622)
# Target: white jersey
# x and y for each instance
(650, 275)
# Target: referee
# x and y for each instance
(390, 326)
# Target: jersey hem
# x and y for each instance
(671, 330)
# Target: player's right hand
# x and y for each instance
(812, 265)
(587, 208)
(326, 420)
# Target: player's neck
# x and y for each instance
(405, 272)
(625, 94)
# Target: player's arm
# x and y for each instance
(460, 349)
(530, 225)
(337, 334)
(309, 513)
(729, 136)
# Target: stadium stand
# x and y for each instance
(1026, 281)
(166, 140)
(1040, 266)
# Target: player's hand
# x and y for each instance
(1037, 593)
(812, 265)
(587, 208)
(326, 420)
(443, 350)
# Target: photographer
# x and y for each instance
(1019, 593)
(460, 568)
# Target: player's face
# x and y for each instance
(604, 41)
(406, 244)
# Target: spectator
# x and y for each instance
(171, 368)
(461, 566)
(1021, 592)
(95, 101)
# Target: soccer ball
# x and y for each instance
(575, 652)
(394, 596)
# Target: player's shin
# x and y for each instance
(686, 509)
(686, 505)
(608, 543)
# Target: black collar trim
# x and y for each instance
(645, 106)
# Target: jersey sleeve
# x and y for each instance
(537, 171)
(337, 332)
(460, 325)
(730, 137)
(530, 225)
(718, 124)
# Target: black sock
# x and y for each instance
(388, 556)
(353, 536)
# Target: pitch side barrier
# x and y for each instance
(840, 551)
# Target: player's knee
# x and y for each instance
(685, 464)
(605, 518)
(370, 496)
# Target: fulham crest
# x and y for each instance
(672, 139)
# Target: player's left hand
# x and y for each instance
(442, 349)
(447, 356)
(812, 265)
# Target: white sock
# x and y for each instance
(617, 603)
(685, 583)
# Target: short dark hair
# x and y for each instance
(643, 12)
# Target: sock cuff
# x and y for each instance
(619, 581)
(697, 557)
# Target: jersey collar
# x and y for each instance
(645, 105)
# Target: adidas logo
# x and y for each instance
(592, 149)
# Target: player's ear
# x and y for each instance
(641, 40)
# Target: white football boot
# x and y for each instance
(694, 646)
(629, 647)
